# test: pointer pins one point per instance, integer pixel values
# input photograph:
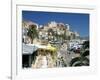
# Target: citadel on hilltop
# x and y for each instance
(51, 31)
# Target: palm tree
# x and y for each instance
(32, 32)
(79, 61)
(63, 62)
(83, 60)
(86, 45)
(50, 33)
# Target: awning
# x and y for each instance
(49, 47)
(28, 49)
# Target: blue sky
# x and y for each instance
(78, 21)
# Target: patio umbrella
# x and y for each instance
(49, 47)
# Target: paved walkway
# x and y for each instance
(43, 62)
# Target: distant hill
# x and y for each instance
(85, 38)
